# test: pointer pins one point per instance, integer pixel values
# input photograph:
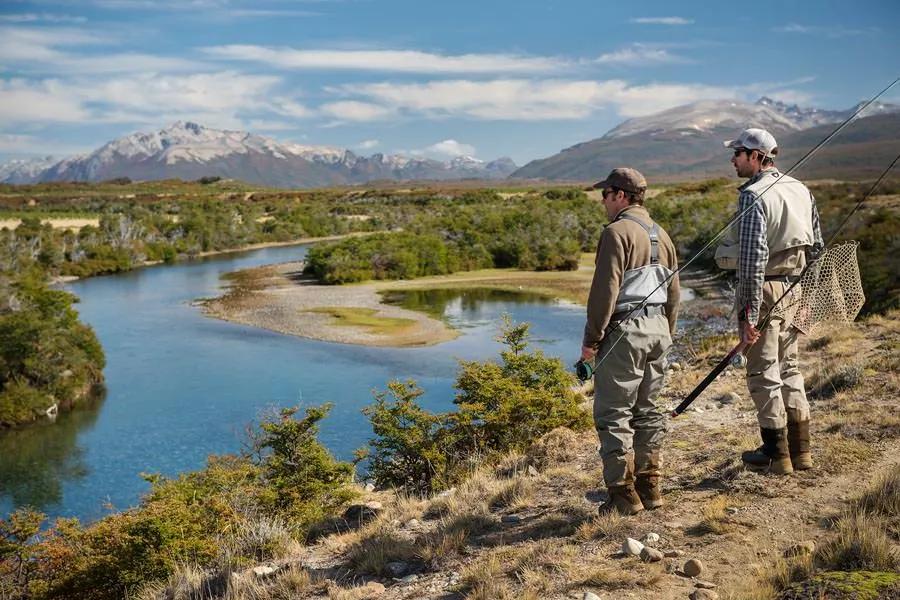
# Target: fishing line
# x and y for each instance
(736, 218)
(711, 376)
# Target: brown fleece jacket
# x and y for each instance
(625, 245)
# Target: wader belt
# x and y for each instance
(783, 278)
(648, 310)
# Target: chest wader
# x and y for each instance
(641, 293)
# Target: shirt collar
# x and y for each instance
(757, 177)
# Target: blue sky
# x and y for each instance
(521, 79)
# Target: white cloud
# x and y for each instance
(38, 49)
(451, 148)
(35, 17)
(402, 61)
(639, 54)
(351, 110)
(662, 21)
(831, 31)
(531, 100)
(25, 101)
(251, 13)
(368, 144)
(214, 98)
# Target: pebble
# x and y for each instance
(651, 538)
(263, 570)
(412, 524)
(397, 568)
(649, 554)
(729, 398)
(701, 594)
(732, 510)
(801, 549)
(532, 472)
(693, 567)
(410, 578)
(590, 596)
(706, 585)
(675, 366)
(510, 519)
(370, 487)
(673, 524)
(673, 553)
(697, 409)
(632, 546)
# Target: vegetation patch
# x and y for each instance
(365, 318)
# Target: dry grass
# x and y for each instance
(860, 543)
(714, 516)
(515, 494)
(609, 525)
(553, 448)
(377, 545)
(837, 452)
(608, 577)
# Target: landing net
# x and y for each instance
(829, 292)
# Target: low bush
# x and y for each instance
(237, 510)
(501, 407)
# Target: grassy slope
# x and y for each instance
(510, 532)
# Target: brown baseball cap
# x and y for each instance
(625, 179)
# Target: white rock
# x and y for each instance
(650, 539)
(370, 487)
(590, 596)
(675, 366)
(632, 546)
(264, 570)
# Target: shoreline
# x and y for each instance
(279, 298)
(60, 279)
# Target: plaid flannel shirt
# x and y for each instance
(754, 254)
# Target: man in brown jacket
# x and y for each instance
(631, 315)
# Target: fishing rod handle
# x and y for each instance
(710, 377)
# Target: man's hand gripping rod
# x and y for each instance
(711, 376)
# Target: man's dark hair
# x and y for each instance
(633, 197)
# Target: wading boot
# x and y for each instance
(646, 483)
(622, 499)
(798, 444)
(773, 455)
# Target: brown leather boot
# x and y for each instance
(623, 499)
(773, 455)
(647, 470)
(798, 444)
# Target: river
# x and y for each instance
(182, 386)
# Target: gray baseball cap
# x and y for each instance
(625, 179)
(755, 139)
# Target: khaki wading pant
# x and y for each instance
(773, 368)
(630, 426)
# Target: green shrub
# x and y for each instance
(501, 407)
(411, 444)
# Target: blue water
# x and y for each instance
(181, 386)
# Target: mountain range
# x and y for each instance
(686, 141)
(680, 143)
(190, 151)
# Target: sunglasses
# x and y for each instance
(739, 151)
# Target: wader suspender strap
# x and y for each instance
(652, 231)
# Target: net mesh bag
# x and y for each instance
(830, 291)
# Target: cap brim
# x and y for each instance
(731, 144)
(600, 185)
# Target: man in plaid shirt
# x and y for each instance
(777, 233)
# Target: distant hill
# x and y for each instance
(686, 142)
(190, 151)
